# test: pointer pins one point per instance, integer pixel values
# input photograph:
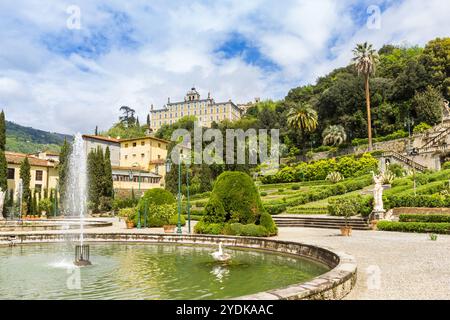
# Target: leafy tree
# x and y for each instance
(436, 60)
(365, 59)
(25, 175)
(428, 105)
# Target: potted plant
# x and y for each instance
(347, 207)
(45, 206)
(128, 214)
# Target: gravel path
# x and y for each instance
(391, 265)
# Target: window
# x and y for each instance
(126, 145)
(142, 155)
(159, 145)
(159, 156)
(38, 188)
(11, 173)
(134, 144)
(134, 155)
(38, 175)
(143, 143)
(126, 157)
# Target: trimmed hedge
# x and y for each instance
(348, 166)
(430, 201)
(424, 218)
(351, 205)
(419, 227)
(157, 196)
(340, 188)
(249, 230)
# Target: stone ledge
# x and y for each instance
(335, 284)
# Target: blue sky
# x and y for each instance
(138, 53)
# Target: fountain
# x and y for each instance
(76, 194)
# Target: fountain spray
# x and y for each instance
(76, 194)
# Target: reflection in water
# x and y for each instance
(145, 271)
(220, 272)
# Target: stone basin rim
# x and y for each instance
(332, 285)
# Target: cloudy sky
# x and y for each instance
(58, 77)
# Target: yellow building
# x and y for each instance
(142, 164)
(44, 173)
(206, 111)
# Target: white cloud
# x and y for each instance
(172, 47)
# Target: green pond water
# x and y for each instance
(145, 271)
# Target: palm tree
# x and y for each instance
(365, 60)
(302, 117)
(334, 135)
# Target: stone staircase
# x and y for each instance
(323, 221)
(404, 160)
(441, 132)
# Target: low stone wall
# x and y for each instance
(11, 226)
(334, 284)
(417, 210)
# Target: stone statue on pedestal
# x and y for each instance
(378, 209)
(2, 202)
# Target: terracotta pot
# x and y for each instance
(169, 228)
(346, 231)
(373, 224)
(130, 224)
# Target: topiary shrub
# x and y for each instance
(155, 196)
(267, 222)
(208, 228)
(236, 192)
(214, 211)
(295, 187)
(174, 220)
(249, 230)
(263, 194)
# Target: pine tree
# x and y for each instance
(3, 163)
(25, 175)
(109, 184)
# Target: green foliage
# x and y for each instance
(267, 222)
(334, 177)
(446, 165)
(348, 166)
(424, 218)
(174, 220)
(421, 127)
(348, 206)
(108, 180)
(124, 131)
(45, 205)
(263, 194)
(63, 167)
(156, 196)
(237, 194)
(128, 213)
(430, 201)
(420, 227)
(399, 134)
(248, 230)
(203, 227)
(215, 211)
(121, 203)
(428, 105)
(25, 175)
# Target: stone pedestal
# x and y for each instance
(377, 214)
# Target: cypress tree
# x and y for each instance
(109, 185)
(63, 167)
(46, 193)
(25, 175)
(34, 204)
(148, 120)
(96, 130)
(94, 186)
(137, 122)
(3, 163)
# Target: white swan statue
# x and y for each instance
(220, 255)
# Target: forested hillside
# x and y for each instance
(29, 140)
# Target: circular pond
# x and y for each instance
(146, 271)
